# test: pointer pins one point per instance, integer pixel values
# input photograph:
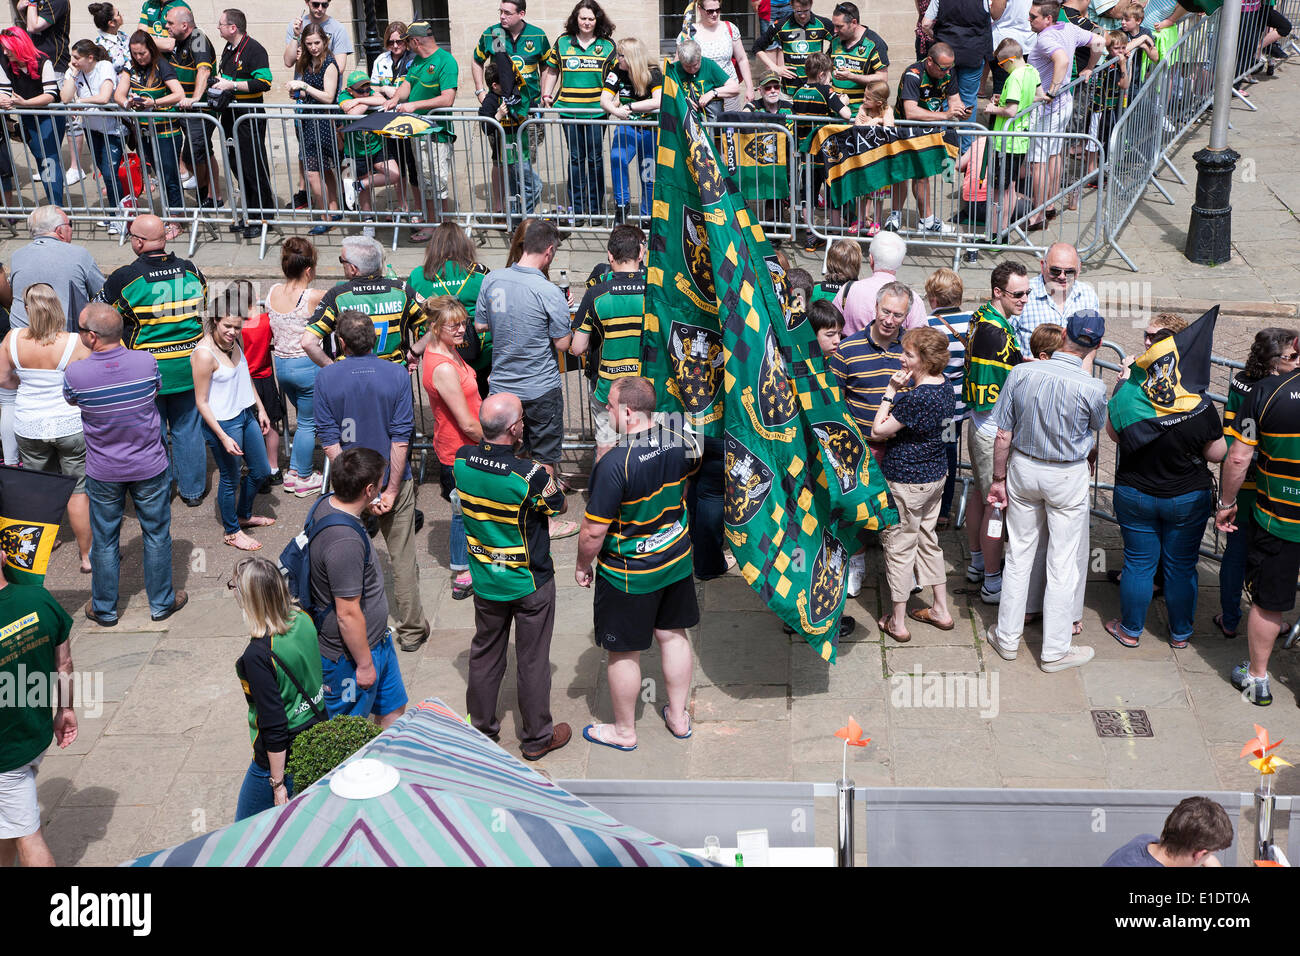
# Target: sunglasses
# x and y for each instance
(1014, 295)
(317, 4)
(1159, 335)
(1056, 272)
(710, 12)
(1289, 357)
(396, 41)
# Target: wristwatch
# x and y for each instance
(1222, 505)
(997, 478)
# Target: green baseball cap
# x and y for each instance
(420, 28)
(357, 78)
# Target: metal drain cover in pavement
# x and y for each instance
(1122, 723)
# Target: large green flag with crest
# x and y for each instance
(741, 367)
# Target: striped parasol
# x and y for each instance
(460, 801)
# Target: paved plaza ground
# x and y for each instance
(165, 757)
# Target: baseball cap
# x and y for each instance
(1086, 328)
(357, 78)
(420, 28)
(768, 77)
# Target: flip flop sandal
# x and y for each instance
(563, 529)
(230, 540)
(884, 629)
(1218, 622)
(1114, 630)
(926, 616)
(689, 729)
(588, 735)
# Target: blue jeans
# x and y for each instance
(44, 136)
(298, 378)
(1232, 568)
(457, 546)
(161, 152)
(968, 88)
(108, 155)
(705, 504)
(153, 509)
(189, 461)
(586, 169)
(530, 187)
(1165, 531)
(633, 144)
(243, 428)
(255, 793)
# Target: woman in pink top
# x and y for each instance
(453, 395)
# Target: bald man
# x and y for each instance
(162, 300)
(506, 502)
(1055, 294)
(115, 389)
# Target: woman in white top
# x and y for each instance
(234, 421)
(720, 41)
(32, 360)
(92, 82)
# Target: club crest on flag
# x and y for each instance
(748, 483)
(793, 317)
(1163, 380)
(776, 401)
(697, 363)
(21, 543)
(695, 242)
(703, 164)
(843, 450)
(762, 149)
(827, 583)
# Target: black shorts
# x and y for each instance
(627, 622)
(268, 390)
(544, 427)
(1006, 169)
(363, 165)
(198, 142)
(1272, 568)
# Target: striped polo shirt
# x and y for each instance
(615, 309)
(638, 491)
(955, 325)
(864, 369)
(152, 85)
(582, 72)
(1269, 420)
(869, 55)
(115, 391)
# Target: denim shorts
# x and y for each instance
(385, 695)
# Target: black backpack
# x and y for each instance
(295, 559)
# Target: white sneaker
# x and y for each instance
(936, 225)
(191, 183)
(894, 222)
(73, 176)
(113, 226)
(857, 571)
(1003, 653)
(306, 487)
(1075, 657)
(990, 597)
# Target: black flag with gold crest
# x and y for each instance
(32, 504)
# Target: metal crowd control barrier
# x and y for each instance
(105, 140)
(1000, 207)
(417, 182)
(1176, 93)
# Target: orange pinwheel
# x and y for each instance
(852, 735)
(1259, 745)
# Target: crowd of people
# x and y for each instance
(123, 382)
(821, 69)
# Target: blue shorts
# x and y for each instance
(385, 695)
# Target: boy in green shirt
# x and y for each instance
(365, 165)
(1023, 87)
(510, 112)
